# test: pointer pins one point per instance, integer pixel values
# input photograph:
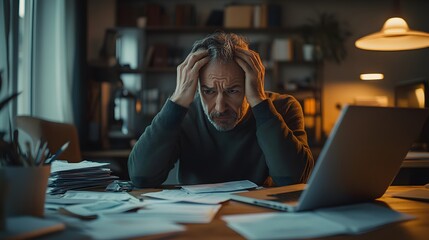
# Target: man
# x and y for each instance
(221, 125)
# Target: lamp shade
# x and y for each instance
(394, 36)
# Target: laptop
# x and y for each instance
(358, 162)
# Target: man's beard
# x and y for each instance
(224, 121)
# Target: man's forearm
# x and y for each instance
(283, 143)
(157, 150)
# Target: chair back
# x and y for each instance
(55, 133)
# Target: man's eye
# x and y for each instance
(232, 91)
(208, 91)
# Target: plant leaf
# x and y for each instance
(5, 101)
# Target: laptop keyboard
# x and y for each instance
(286, 196)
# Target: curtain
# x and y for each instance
(8, 58)
(53, 59)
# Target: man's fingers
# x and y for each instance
(252, 55)
(198, 65)
(244, 65)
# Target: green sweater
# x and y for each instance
(270, 141)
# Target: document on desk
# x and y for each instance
(63, 166)
(78, 197)
(93, 210)
(220, 187)
(183, 196)
(421, 194)
(417, 155)
(349, 219)
(126, 228)
(175, 212)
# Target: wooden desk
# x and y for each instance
(414, 229)
(217, 229)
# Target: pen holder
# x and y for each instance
(25, 190)
(3, 188)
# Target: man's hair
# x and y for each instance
(221, 45)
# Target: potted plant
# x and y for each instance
(19, 170)
(327, 35)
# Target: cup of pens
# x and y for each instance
(24, 172)
(26, 189)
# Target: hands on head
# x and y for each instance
(189, 70)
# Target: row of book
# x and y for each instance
(161, 55)
(253, 16)
(185, 14)
(155, 14)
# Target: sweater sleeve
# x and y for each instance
(283, 140)
(157, 149)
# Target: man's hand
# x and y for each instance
(254, 71)
(187, 77)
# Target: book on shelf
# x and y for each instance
(238, 16)
(185, 15)
(282, 49)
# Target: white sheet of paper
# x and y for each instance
(283, 225)
(180, 212)
(116, 196)
(416, 194)
(220, 187)
(58, 166)
(100, 207)
(349, 219)
(180, 195)
(417, 155)
(80, 197)
(363, 217)
(125, 228)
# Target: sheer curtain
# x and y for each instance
(8, 58)
(53, 59)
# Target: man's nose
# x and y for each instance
(220, 103)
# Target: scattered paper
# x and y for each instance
(350, 219)
(283, 225)
(417, 155)
(125, 228)
(220, 187)
(60, 166)
(116, 196)
(180, 212)
(360, 218)
(92, 210)
(180, 195)
(415, 194)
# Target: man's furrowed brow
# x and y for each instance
(234, 86)
(206, 87)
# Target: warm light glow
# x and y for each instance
(420, 94)
(138, 106)
(371, 76)
(394, 36)
(395, 26)
(309, 106)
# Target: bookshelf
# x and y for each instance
(153, 83)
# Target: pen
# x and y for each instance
(61, 150)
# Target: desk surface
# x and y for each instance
(217, 229)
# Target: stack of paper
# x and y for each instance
(67, 176)
(349, 219)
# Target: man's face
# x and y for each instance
(221, 88)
